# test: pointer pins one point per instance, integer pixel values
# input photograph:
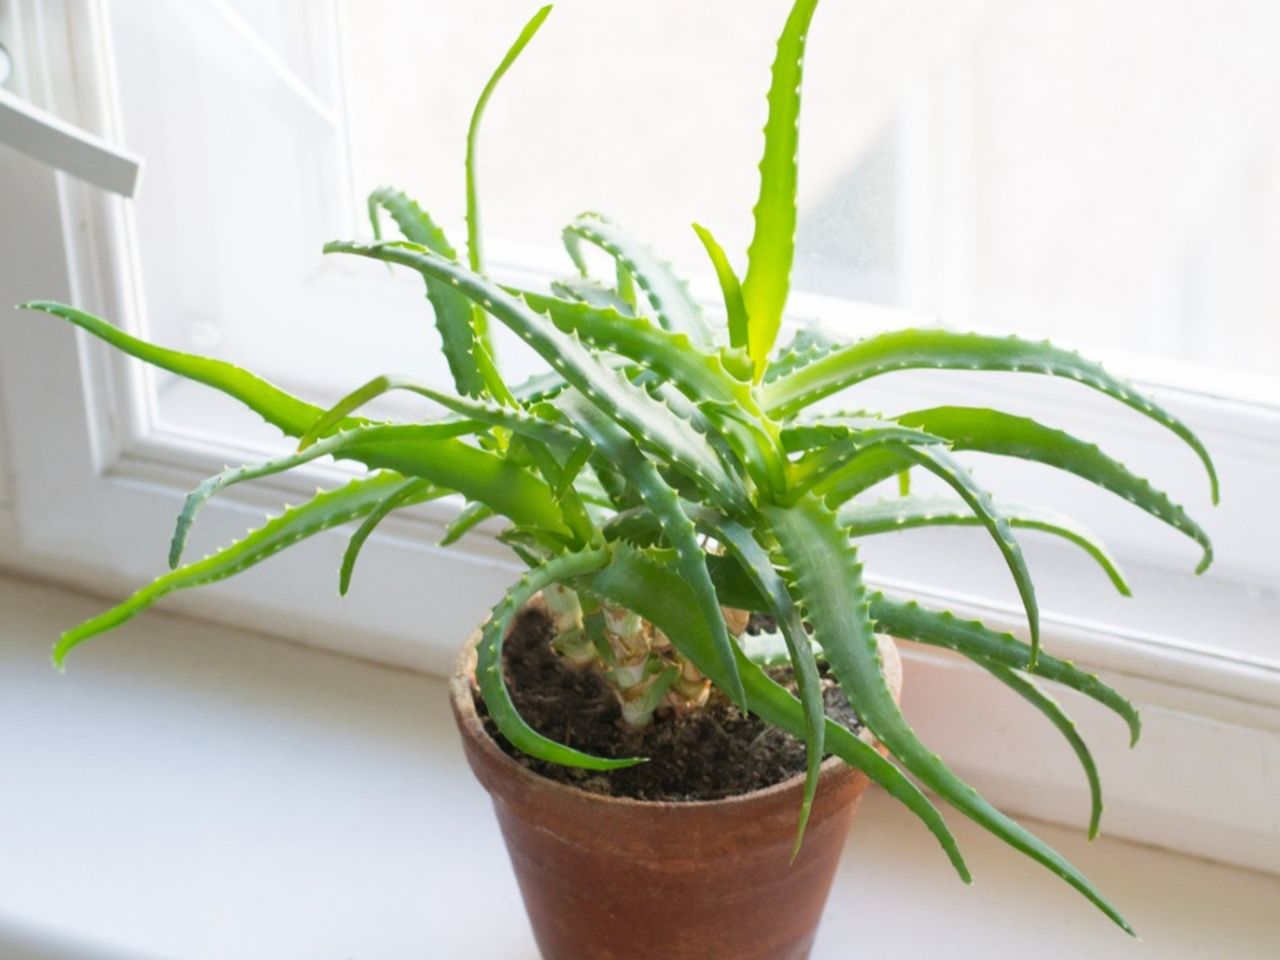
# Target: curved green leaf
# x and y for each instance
(831, 448)
(470, 517)
(1025, 688)
(452, 312)
(489, 672)
(939, 462)
(668, 295)
(511, 418)
(772, 249)
(730, 288)
(771, 650)
(326, 509)
(859, 428)
(905, 513)
(946, 350)
(827, 583)
(475, 252)
(809, 343)
(703, 375)
(991, 431)
(416, 450)
(409, 492)
(940, 628)
(591, 292)
(280, 409)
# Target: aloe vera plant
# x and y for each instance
(665, 477)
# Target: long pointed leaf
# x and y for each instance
(947, 350)
(991, 431)
(730, 288)
(416, 450)
(906, 513)
(772, 249)
(827, 581)
(409, 492)
(1029, 691)
(668, 295)
(511, 418)
(940, 628)
(489, 672)
(280, 409)
(908, 620)
(954, 474)
(475, 252)
(324, 510)
(452, 312)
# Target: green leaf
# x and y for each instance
(416, 450)
(940, 628)
(667, 294)
(990, 431)
(755, 560)
(470, 517)
(489, 672)
(452, 312)
(1028, 690)
(650, 422)
(621, 450)
(730, 288)
(510, 418)
(947, 468)
(662, 597)
(280, 409)
(860, 430)
(826, 580)
(712, 381)
(409, 492)
(714, 376)
(476, 474)
(810, 343)
(849, 475)
(946, 350)
(324, 510)
(413, 222)
(831, 448)
(771, 650)
(908, 620)
(772, 248)
(591, 292)
(474, 249)
(905, 513)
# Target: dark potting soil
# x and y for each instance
(705, 754)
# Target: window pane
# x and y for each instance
(1103, 173)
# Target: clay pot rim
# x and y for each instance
(462, 692)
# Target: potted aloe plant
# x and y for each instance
(691, 530)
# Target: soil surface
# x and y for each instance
(706, 754)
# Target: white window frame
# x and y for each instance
(94, 482)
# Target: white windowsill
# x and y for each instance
(187, 791)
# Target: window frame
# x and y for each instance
(95, 478)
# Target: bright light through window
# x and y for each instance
(1107, 174)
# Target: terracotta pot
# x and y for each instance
(607, 878)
